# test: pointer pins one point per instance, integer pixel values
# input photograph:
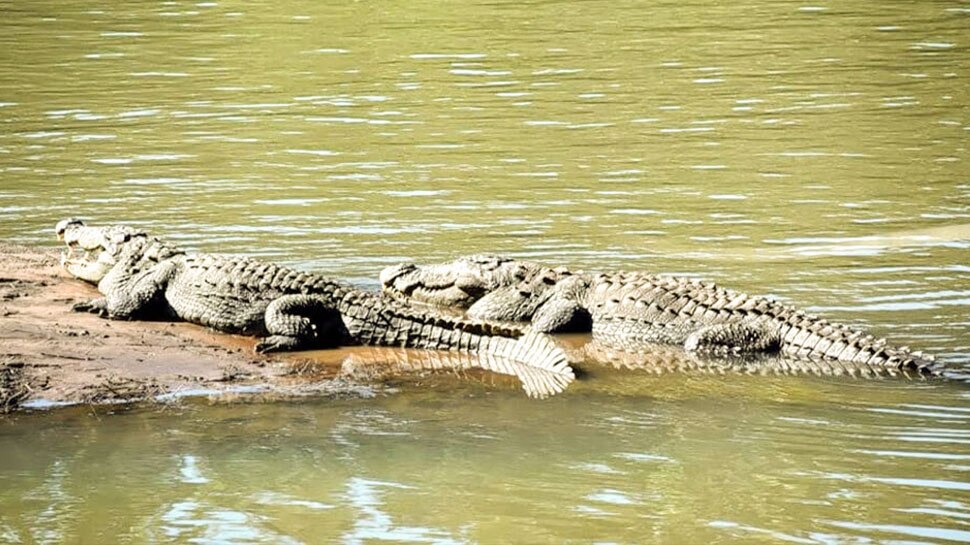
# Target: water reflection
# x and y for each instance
(57, 512)
(189, 471)
(374, 524)
(194, 522)
(947, 534)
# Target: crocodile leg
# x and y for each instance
(508, 304)
(560, 315)
(132, 296)
(300, 321)
(552, 308)
(734, 338)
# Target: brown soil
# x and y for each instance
(50, 355)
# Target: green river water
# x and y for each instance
(815, 151)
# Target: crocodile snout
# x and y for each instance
(390, 275)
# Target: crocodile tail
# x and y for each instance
(823, 345)
(813, 338)
(377, 363)
(377, 320)
(534, 358)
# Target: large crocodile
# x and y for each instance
(631, 308)
(141, 276)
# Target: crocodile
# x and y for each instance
(142, 277)
(626, 310)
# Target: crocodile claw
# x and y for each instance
(94, 306)
(276, 343)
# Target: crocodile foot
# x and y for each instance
(277, 343)
(97, 306)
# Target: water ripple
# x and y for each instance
(947, 534)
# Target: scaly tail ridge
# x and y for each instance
(535, 358)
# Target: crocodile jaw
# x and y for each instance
(90, 253)
(85, 268)
(86, 263)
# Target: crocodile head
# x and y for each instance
(458, 283)
(93, 251)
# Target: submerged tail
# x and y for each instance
(808, 345)
(803, 336)
(542, 377)
(808, 337)
(660, 359)
(535, 358)
(374, 319)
